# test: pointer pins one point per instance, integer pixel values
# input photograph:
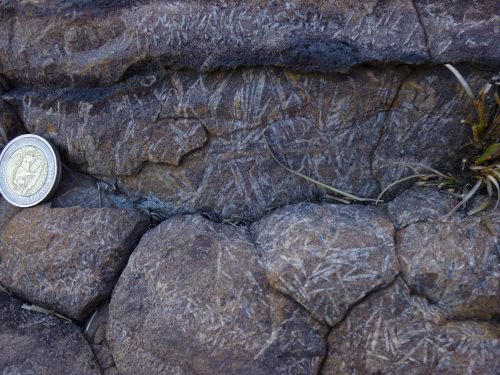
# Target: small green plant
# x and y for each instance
(481, 166)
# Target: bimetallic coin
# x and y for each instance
(30, 170)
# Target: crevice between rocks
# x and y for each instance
(424, 31)
(348, 312)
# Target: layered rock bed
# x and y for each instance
(176, 244)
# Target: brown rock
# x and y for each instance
(424, 124)
(162, 116)
(7, 212)
(462, 31)
(95, 332)
(80, 190)
(10, 127)
(118, 128)
(67, 259)
(194, 299)
(315, 124)
(392, 332)
(422, 205)
(327, 257)
(456, 265)
(96, 44)
(35, 343)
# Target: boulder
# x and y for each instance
(455, 265)
(194, 299)
(327, 257)
(67, 259)
(393, 332)
(35, 343)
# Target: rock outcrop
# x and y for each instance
(176, 241)
(216, 126)
(50, 43)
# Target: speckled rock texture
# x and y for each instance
(452, 261)
(216, 126)
(394, 332)
(34, 343)
(67, 259)
(177, 243)
(327, 257)
(198, 286)
(97, 43)
(10, 126)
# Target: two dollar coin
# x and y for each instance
(30, 170)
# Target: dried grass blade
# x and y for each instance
(43, 310)
(468, 196)
(497, 186)
(319, 183)
(397, 182)
(462, 80)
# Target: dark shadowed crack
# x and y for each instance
(424, 31)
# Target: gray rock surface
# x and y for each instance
(98, 44)
(327, 257)
(392, 332)
(419, 204)
(161, 109)
(90, 43)
(451, 260)
(67, 259)
(35, 343)
(194, 299)
(461, 30)
(344, 130)
(455, 265)
(10, 126)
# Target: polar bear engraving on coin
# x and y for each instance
(27, 170)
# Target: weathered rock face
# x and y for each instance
(392, 332)
(164, 108)
(80, 190)
(199, 287)
(456, 266)
(418, 205)
(460, 31)
(313, 123)
(451, 260)
(96, 45)
(88, 43)
(9, 124)
(34, 343)
(327, 257)
(67, 259)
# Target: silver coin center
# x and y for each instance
(27, 170)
